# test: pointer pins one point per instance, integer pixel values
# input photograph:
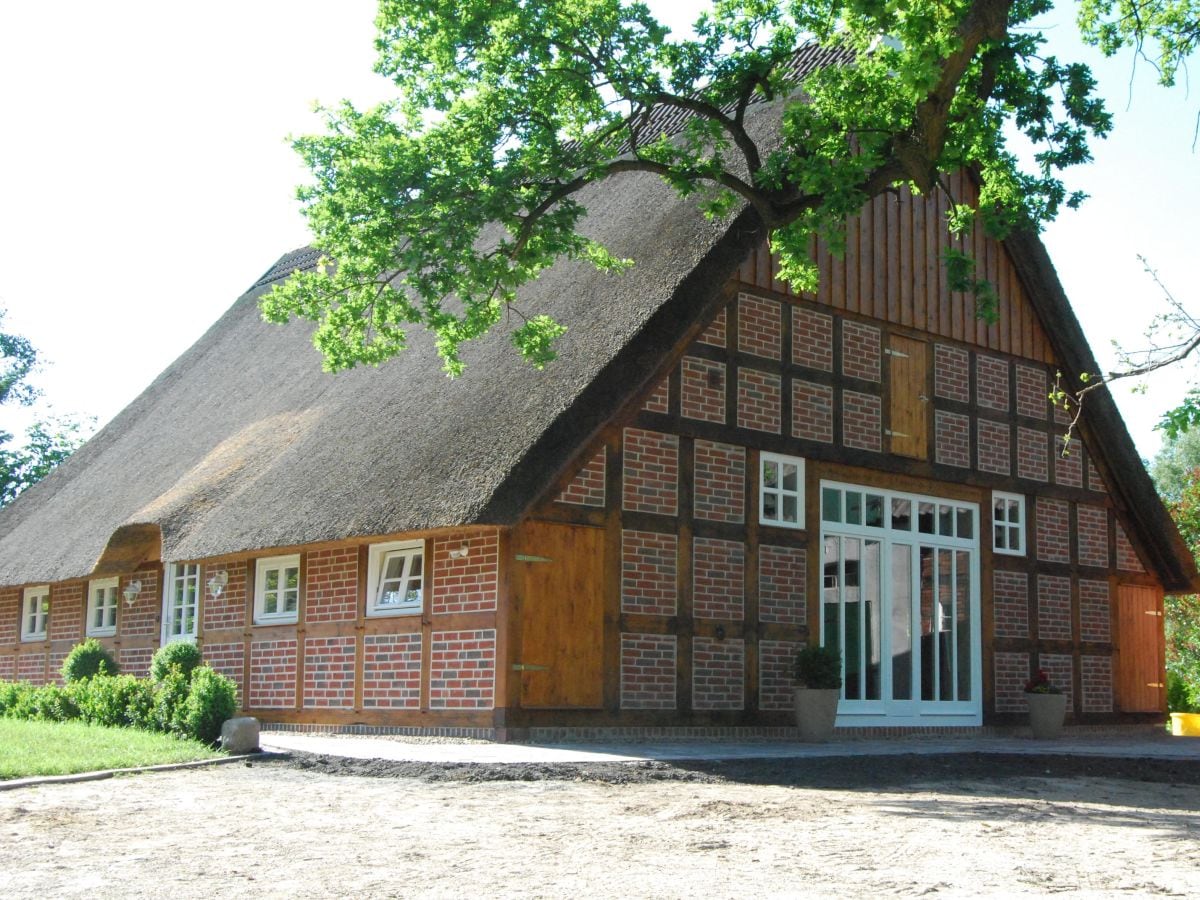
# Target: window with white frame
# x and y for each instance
(395, 578)
(35, 613)
(181, 602)
(1008, 523)
(102, 608)
(277, 590)
(781, 490)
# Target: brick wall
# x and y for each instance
(648, 572)
(31, 667)
(951, 377)
(1096, 679)
(952, 439)
(54, 664)
(812, 339)
(812, 411)
(8, 667)
(718, 673)
(468, 583)
(991, 382)
(720, 482)
(1032, 451)
(776, 665)
(1127, 558)
(272, 674)
(587, 487)
(228, 610)
(718, 578)
(660, 400)
(462, 669)
(1060, 668)
(861, 421)
(782, 580)
(759, 328)
(715, 334)
(142, 619)
(1094, 481)
(1054, 607)
(66, 611)
(1032, 392)
(137, 662)
(10, 615)
(392, 671)
(1068, 470)
(1010, 599)
(1092, 535)
(648, 671)
(228, 659)
(992, 447)
(758, 406)
(331, 585)
(329, 672)
(1053, 530)
(1094, 611)
(702, 389)
(651, 477)
(860, 350)
(1012, 671)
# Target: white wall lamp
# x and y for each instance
(131, 592)
(216, 584)
(461, 552)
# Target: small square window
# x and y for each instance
(277, 590)
(35, 613)
(396, 578)
(1008, 523)
(102, 608)
(781, 490)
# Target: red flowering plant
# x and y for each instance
(1040, 684)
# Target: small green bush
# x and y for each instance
(170, 694)
(87, 660)
(211, 699)
(52, 703)
(1182, 696)
(819, 668)
(182, 654)
(16, 699)
(116, 701)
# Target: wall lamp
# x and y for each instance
(216, 584)
(131, 592)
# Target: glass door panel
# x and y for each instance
(901, 634)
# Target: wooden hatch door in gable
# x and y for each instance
(907, 373)
(1141, 649)
(558, 578)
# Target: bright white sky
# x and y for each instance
(145, 182)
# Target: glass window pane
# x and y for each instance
(853, 508)
(946, 521)
(394, 567)
(415, 568)
(999, 510)
(292, 575)
(925, 517)
(998, 534)
(770, 474)
(831, 505)
(770, 506)
(874, 511)
(966, 523)
(902, 515)
(790, 482)
(1014, 538)
(272, 579)
(291, 601)
(1014, 511)
(789, 509)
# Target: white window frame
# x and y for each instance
(377, 558)
(278, 564)
(1021, 526)
(180, 572)
(780, 492)
(102, 596)
(35, 612)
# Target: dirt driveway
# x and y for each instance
(839, 828)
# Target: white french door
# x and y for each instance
(900, 600)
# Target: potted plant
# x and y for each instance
(818, 687)
(1047, 706)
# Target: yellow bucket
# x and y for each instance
(1185, 724)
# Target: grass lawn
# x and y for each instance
(62, 748)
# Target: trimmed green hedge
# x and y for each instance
(190, 703)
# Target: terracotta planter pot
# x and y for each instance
(816, 712)
(1046, 714)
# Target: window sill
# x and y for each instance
(384, 612)
(102, 632)
(266, 621)
(39, 638)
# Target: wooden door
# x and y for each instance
(558, 579)
(1140, 666)
(909, 401)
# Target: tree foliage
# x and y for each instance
(1163, 32)
(48, 441)
(433, 209)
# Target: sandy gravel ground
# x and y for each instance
(304, 830)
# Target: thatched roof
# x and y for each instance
(244, 444)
